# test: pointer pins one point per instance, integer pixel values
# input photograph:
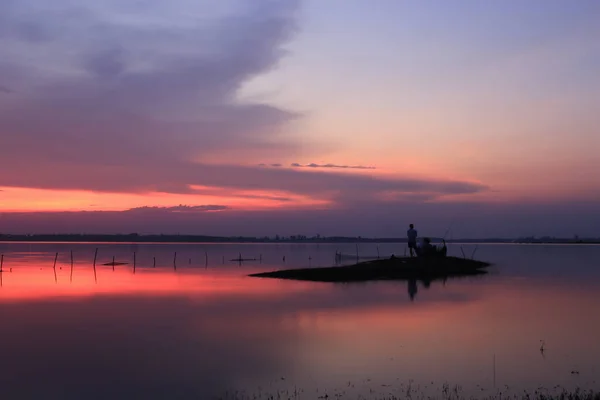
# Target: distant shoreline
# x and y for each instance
(136, 238)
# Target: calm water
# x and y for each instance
(206, 329)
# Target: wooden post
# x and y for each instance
(71, 277)
(154, 266)
(205, 259)
(223, 260)
(175, 262)
(134, 262)
(54, 268)
(473, 254)
(1, 269)
(378, 252)
(113, 263)
(95, 257)
(356, 252)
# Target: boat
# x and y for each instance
(435, 265)
(427, 250)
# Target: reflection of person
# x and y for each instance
(412, 240)
(412, 289)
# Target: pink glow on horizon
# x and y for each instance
(42, 200)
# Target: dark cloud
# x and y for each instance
(179, 209)
(177, 178)
(137, 99)
(141, 95)
(274, 165)
(259, 197)
(313, 165)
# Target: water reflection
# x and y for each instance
(197, 332)
(36, 274)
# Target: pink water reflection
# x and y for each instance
(34, 280)
(182, 329)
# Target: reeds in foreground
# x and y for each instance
(405, 392)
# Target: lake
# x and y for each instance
(190, 323)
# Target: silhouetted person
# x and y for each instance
(412, 240)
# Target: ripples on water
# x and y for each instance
(205, 329)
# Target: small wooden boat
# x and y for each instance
(434, 266)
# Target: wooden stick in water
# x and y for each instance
(154, 266)
(1, 269)
(175, 262)
(95, 258)
(113, 263)
(71, 277)
(473, 254)
(54, 268)
(205, 259)
(134, 262)
(463, 252)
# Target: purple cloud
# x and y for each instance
(335, 166)
(107, 90)
(180, 209)
(130, 98)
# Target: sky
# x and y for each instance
(338, 117)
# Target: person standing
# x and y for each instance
(412, 240)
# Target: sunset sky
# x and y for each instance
(331, 117)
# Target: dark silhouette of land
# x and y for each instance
(394, 268)
(162, 238)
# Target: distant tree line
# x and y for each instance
(174, 238)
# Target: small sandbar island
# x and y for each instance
(393, 268)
